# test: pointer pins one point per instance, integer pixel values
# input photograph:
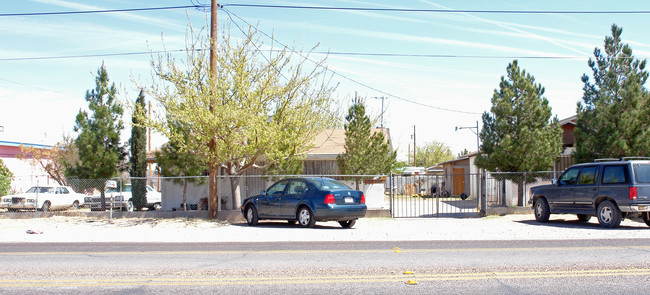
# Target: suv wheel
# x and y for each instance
(609, 215)
(542, 212)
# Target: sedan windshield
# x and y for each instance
(329, 184)
(642, 173)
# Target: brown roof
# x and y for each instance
(331, 143)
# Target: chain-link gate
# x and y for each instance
(434, 195)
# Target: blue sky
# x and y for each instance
(40, 98)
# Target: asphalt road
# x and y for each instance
(387, 267)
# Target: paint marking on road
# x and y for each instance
(247, 252)
(175, 281)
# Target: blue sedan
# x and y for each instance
(307, 200)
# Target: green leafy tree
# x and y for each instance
(366, 152)
(174, 161)
(138, 159)
(432, 154)
(98, 142)
(259, 109)
(5, 179)
(614, 115)
(519, 133)
(463, 153)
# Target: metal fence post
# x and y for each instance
(483, 189)
(390, 194)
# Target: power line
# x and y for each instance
(101, 11)
(374, 54)
(91, 55)
(440, 10)
(348, 78)
(204, 6)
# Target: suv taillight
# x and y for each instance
(329, 199)
(633, 193)
(363, 199)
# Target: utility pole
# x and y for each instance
(214, 205)
(213, 38)
(415, 163)
(150, 172)
(382, 110)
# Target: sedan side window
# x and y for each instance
(588, 175)
(278, 188)
(570, 177)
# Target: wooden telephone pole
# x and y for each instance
(213, 197)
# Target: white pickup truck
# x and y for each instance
(123, 199)
(43, 198)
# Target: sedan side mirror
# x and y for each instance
(263, 193)
(554, 181)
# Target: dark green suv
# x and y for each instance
(609, 189)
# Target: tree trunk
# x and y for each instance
(184, 194)
(236, 191)
(520, 193)
(213, 198)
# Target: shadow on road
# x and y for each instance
(569, 223)
(285, 224)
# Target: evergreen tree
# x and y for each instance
(366, 152)
(138, 155)
(614, 116)
(98, 142)
(5, 179)
(519, 134)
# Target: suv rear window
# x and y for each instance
(642, 173)
(614, 175)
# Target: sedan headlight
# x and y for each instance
(31, 201)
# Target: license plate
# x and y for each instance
(349, 200)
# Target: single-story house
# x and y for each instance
(25, 175)
(327, 146)
(461, 175)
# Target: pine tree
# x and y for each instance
(138, 155)
(519, 134)
(614, 116)
(366, 152)
(100, 154)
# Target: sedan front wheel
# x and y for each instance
(251, 215)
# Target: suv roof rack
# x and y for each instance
(605, 160)
(621, 159)
(634, 158)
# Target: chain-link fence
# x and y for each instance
(404, 195)
(510, 189)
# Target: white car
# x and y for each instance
(123, 199)
(43, 198)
